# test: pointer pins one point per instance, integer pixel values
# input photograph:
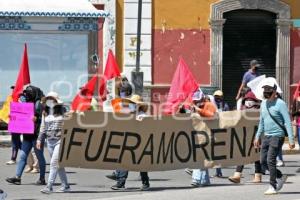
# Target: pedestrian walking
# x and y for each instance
(274, 123)
(33, 95)
(53, 124)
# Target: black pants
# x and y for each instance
(123, 174)
(257, 166)
(269, 151)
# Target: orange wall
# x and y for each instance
(193, 14)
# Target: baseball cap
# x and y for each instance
(254, 63)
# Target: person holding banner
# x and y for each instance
(274, 123)
(249, 102)
(15, 142)
(201, 105)
(135, 105)
(53, 125)
(33, 95)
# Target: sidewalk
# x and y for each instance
(5, 142)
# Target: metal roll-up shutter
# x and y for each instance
(248, 34)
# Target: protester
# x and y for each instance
(53, 124)
(251, 74)
(32, 95)
(202, 105)
(249, 102)
(221, 106)
(15, 144)
(125, 91)
(134, 104)
(274, 124)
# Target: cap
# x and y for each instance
(269, 82)
(55, 96)
(254, 63)
(218, 93)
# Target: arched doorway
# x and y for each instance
(283, 24)
(247, 35)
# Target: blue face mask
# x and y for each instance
(132, 107)
(22, 98)
(122, 94)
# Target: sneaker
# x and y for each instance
(236, 178)
(189, 171)
(63, 189)
(28, 170)
(145, 187)
(280, 163)
(14, 180)
(118, 186)
(196, 184)
(34, 171)
(112, 176)
(46, 190)
(270, 191)
(280, 182)
(40, 182)
(11, 162)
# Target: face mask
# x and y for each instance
(22, 99)
(122, 94)
(50, 103)
(218, 100)
(267, 95)
(132, 107)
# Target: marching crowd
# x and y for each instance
(274, 126)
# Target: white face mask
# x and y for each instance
(50, 103)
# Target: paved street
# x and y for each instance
(175, 185)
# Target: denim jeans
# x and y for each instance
(27, 145)
(257, 165)
(219, 172)
(270, 148)
(123, 174)
(53, 148)
(16, 144)
(201, 176)
(279, 157)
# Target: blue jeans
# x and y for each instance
(16, 144)
(27, 145)
(201, 176)
(219, 172)
(53, 148)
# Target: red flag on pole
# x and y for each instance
(183, 85)
(111, 71)
(23, 76)
(297, 91)
(82, 100)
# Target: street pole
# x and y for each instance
(136, 75)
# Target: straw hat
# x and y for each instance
(138, 100)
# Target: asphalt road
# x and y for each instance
(173, 185)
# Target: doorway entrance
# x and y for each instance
(247, 35)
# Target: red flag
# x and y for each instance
(297, 91)
(183, 85)
(82, 100)
(111, 71)
(23, 76)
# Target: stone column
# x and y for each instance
(283, 56)
(216, 49)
